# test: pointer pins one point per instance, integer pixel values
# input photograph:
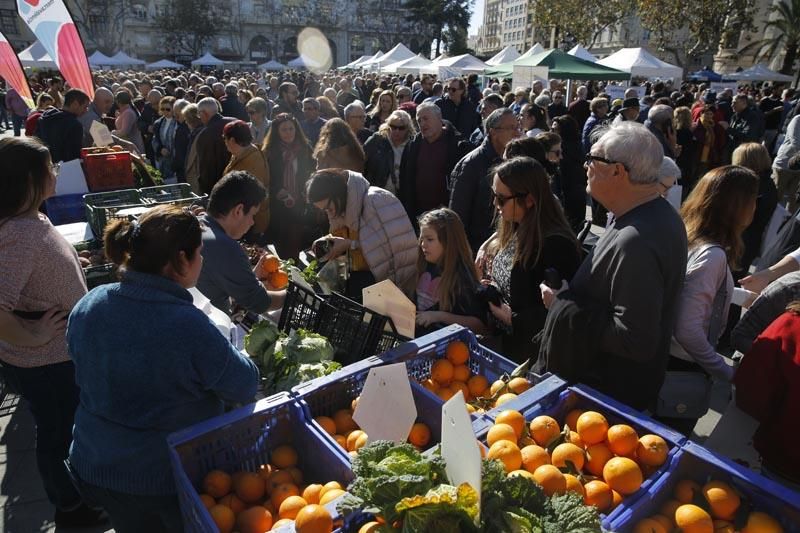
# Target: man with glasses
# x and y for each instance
(356, 117)
(403, 95)
(470, 181)
(487, 105)
(426, 91)
(457, 109)
(557, 108)
(616, 321)
(287, 101)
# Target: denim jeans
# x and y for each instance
(19, 122)
(52, 396)
(133, 513)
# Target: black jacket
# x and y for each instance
(747, 126)
(232, 107)
(471, 192)
(380, 160)
(182, 143)
(462, 116)
(211, 151)
(62, 132)
(457, 147)
(282, 106)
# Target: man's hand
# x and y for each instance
(549, 294)
(501, 312)
(339, 246)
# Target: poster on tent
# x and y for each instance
(11, 71)
(525, 76)
(53, 26)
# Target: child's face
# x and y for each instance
(430, 245)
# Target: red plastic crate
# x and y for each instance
(106, 172)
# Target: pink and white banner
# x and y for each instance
(52, 24)
(11, 70)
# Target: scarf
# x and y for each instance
(289, 153)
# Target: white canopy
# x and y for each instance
(441, 57)
(412, 65)
(207, 60)
(99, 59)
(582, 53)
(121, 58)
(36, 56)
(164, 63)
(272, 65)
(758, 72)
(532, 51)
(396, 54)
(641, 63)
(506, 55)
(464, 63)
(355, 63)
(303, 62)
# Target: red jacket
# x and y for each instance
(768, 389)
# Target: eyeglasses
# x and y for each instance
(591, 158)
(397, 127)
(55, 168)
(501, 200)
(166, 109)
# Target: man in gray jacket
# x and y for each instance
(787, 178)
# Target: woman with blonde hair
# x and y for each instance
(384, 150)
(326, 108)
(687, 159)
(380, 113)
(338, 147)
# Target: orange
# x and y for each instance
(442, 372)
(533, 457)
(693, 519)
(758, 522)
(217, 483)
(598, 494)
(234, 502)
(665, 522)
(457, 353)
(518, 385)
(652, 450)
(354, 403)
(278, 477)
(685, 490)
(668, 509)
(270, 263)
(445, 393)
(597, 455)
(568, 452)
(512, 418)
(551, 480)
(327, 424)
(471, 408)
(278, 279)
(574, 485)
(208, 501)
(291, 506)
(497, 386)
(280, 523)
(623, 475)
(616, 499)
(456, 386)
(312, 492)
(420, 435)
(265, 471)
(430, 385)
(223, 517)
(504, 398)
(523, 473)
(330, 485)
(341, 440)
(544, 429)
(330, 495)
(572, 419)
(648, 525)
(575, 439)
(250, 487)
(370, 527)
(461, 373)
(477, 385)
(313, 519)
(622, 439)
(723, 526)
(722, 499)
(297, 475)
(500, 432)
(343, 419)
(508, 453)
(281, 492)
(592, 427)
(352, 438)
(254, 520)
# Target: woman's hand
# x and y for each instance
(428, 318)
(758, 282)
(286, 198)
(549, 294)
(339, 246)
(51, 325)
(501, 312)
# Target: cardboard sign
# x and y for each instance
(385, 298)
(386, 409)
(459, 445)
(525, 76)
(70, 179)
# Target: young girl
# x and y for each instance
(447, 283)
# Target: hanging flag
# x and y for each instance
(51, 23)
(11, 71)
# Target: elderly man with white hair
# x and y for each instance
(211, 151)
(612, 328)
(356, 116)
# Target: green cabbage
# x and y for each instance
(261, 338)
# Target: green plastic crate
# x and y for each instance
(175, 194)
(101, 207)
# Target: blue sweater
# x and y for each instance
(147, 363)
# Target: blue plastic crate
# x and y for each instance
(66, 209)
(242, 440)
(558, 402)
(699, 464)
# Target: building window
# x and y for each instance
(8, 21)
(139, 12)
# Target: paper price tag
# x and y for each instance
(459, 445)
(386, 409)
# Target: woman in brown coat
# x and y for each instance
(248, 157)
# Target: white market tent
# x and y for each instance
(37, 57)
(99, 59)
(358, 61)
(272, 65)
(532, 51)
(164, 63)
(582, 53)
(641, 63)
(465, 63)
(207, 60)
(398, 53)
(506, 55)
(412, 65)
(303, 62)
(121, 58)
(758, 72)
(441, 57)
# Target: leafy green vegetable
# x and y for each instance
(443, 508)
(566, 513)
(297, 358)
(309, 273)
(261, 337)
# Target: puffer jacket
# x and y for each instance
(385, 233)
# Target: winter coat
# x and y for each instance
(463, 116)
(211, 152)
(380, 160)
(252, 160)
(62, 133)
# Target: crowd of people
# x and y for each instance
(474, 201)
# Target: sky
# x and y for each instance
(477, 18)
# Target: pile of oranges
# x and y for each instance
(269, 270)
(349, 436)
(602, 464)
(451, 374)
(255, 502)
(710, 508)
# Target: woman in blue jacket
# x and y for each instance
(148, 363)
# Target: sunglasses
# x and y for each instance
(396, 127)
(501, 200)
(166, 109)
(591, 158)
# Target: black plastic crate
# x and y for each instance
(301, 309)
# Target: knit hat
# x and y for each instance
(630, 103)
